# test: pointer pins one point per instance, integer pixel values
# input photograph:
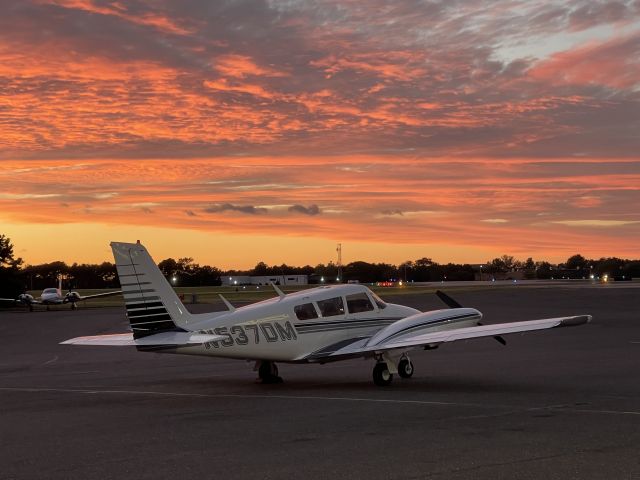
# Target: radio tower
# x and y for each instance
(339, 250)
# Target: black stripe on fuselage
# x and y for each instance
(349, 321)
(346, 327)
(343, 325)
(131, 275)
(404, 331)
(334, 347)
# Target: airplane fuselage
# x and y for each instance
(279, 330)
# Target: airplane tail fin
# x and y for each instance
(152, 304)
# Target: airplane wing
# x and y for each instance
(96, 295)
(20, 301)
(126, 339)
(360, 348)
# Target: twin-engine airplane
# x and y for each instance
(54, 296)
(318, 325)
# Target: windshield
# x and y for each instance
(49, 290)
(378, 301)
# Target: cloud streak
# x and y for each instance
(228, 207)
(311, 210)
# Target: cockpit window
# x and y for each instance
(378, 301)
(50, 290)
(305, 311)
(359, 302)
(331, 307)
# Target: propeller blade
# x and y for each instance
(451, 303)
(497, 338)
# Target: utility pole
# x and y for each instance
(339, 250)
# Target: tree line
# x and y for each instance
(16, 277)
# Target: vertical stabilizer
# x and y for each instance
(152, 304)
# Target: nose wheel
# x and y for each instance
(405, 368)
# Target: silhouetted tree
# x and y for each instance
(11, 284)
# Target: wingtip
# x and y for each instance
(577, 320)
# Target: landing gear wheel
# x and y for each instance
(381, 375)
(268, 372)
(405, 368)
(74, 306)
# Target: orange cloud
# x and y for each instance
(613, 64)
(120, 10)
(526, 207)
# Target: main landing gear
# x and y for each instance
(268, 372)
(382, 374)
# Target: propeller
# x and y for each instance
(451, 303)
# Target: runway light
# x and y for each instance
(400, 283)
(592, 276)
(605, 278)
(174, 279)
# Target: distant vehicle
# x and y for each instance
(318, 325)
(54, 296)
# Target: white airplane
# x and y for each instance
(318, 325)
(54, 296)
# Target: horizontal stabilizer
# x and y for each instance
(164, 338)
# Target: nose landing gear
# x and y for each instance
(405, 368)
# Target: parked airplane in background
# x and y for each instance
(318, 325)
(54, 296)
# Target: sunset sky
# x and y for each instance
(244, 131)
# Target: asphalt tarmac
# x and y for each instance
(560, 404)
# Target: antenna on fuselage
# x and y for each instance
(230, 307)
(277, 289)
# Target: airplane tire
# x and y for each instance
(268, 372)
(405, 368)
(381, 375)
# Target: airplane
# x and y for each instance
(318, 325)
(54, 296)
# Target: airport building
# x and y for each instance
(265, 280)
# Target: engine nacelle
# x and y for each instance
(427, 322)
(25, 298)
(72, 297)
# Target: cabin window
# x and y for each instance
(305, 311)
(359, 302)
(331, 307)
